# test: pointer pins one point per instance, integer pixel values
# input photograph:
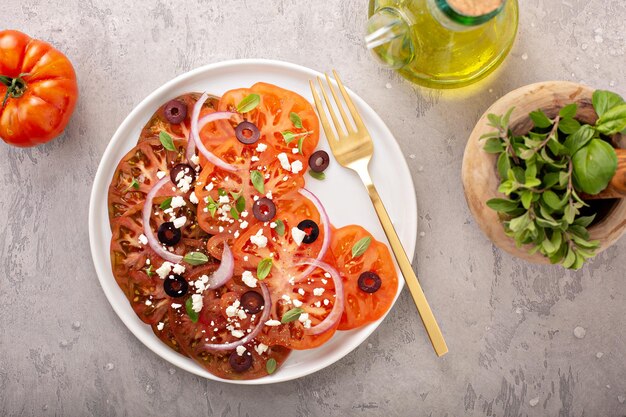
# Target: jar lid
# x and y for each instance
(475, 7)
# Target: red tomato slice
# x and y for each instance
(361, 307)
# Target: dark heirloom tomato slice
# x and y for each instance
(136, 174)
(272, 117)
(138, 279)
(159, 123)
(316, 307)
(166, 334)
(362, 307)
(214, 327)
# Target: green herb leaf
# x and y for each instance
(190, 311)
(493, 145)
(249, 103)
(167, 141)
(291, 315)
(594, 166)
(540, 119)
(604, 101)
(504, 164)
(361, 246)
(317, 175)
(569, 126)
(300, 143)
(584, 221)
(270, 366)
(195, 258)
(240, 204)
(527, 198)
(166, 203)
(134, 184)
(551, 199)
(234, 213)
(579, 139)
(280, 227)
(258, 181)
(569, 214)
(221, 192)
(503, 205)
(295, 119)
(149, 271)
(263, 268)
(288, 135)
(211, 205)
(613, 121)
(569, 111)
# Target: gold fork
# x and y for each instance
(353, 149)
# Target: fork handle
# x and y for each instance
(432, 328)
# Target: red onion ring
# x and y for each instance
(191, 145)
(147, 230)
(195, 134)
(335, 314)
(326, 223)
(225, 271)
(267, 309)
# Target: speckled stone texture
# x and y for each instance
(509, 325)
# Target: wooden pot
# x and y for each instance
(480, 175)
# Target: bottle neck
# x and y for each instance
(463, 14)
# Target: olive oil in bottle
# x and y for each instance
(442, 43)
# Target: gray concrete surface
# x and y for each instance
(509, 325)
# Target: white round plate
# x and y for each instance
(342, 193)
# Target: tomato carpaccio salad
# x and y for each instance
(219, 246)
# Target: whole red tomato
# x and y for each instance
(38, 90)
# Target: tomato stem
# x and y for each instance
(16, 87)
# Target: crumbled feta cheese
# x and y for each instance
(295, 150)
(261, 147)
(147, 261)
(221, 229)
(241, 350)
(297, 303)
(307, 324)
(318, 291)
(241, 314)
(196, 302)
(161, 175)
(324, 281)
(231, 310)
(326, 302)
(327, 275)
(269, 195)
(180, 175)
(298, 235)
(245, 258)
(209, 186)
(300, 291)
(284, 161)
(180, 222)
(286, 177)
(254, 158)
(223, 199)
(143, 239)
(259, 239)
(176, 305)
(244, 214)
(193, 198)
(148, 302)
(237, 333)
(272, 323)
(178, 269)
(273, 225)
(296, 166)
(195, 159)
(303, 317)
(317, 304)
(184, 183)
(236, 234)
(261, 348)
(164, 269)
(160, 326)
(243, 224)
(249, 279)
(286, 298)
(177, 201)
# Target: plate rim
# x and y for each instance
(102, 179)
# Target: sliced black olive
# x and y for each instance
(175, 285)
(318, 161)
(247, 133)
(311, 229)
(175, 111)
(168, 234)
(252, 302)
(187, 170)
(369, 282)
(240, 363)
(264, 209)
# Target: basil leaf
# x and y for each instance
(594, 166)
(604, 100)
(317, 175)
(167, 141)
(502, 204)
(263, 268)
(190, 311)
(211, 205)
(540, 119)
(288, 135)
(196, 258)
(300, 142)
(240, 204)
(221, 192)
(296, 120)
(270, 366)
(569, 126)
(249, 103)
(135, 184)
(280, 227)
(569, 111)
(579, 139)
(234, 213)
(291, 315)
(149, 271)
(613, 121)
(166, 203)
(361, 246)
(258, 181)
